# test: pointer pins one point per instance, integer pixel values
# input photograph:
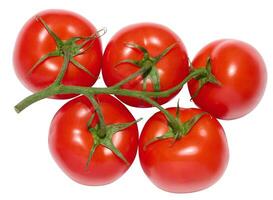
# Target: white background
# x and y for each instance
(27, 170)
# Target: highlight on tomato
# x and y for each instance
(43, 42)
(145, 45)
(183, 159)
(241, 79)
(76, 143)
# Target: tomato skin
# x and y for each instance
(34, 41)
(70, 141)
(242, 74)
(173, 67)
(194, 162)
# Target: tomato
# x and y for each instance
(242, 73)
(34, 41)
(191, 163)
(70, 141)
(168, 72)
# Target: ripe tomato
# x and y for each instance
(34, 41)
(193, 162)
(242, 73)
(70, 141)
(168, 72)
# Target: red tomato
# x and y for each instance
(34, 41)
(242, 74)
(193, 162)
(70, 141)
(155, 38)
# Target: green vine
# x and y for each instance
(103, 133)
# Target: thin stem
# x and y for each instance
(129, 78)
(171, 119)
(48, 92)
(102, 125)
(61, 89)
(166, 93)
(63, 69)
(51, 91)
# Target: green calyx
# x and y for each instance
(205, 77)
(178, 131)
(73, 47)
(149, 64)
(105, 139)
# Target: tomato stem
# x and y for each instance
(129, 78)
(57, 88)
(61, 74)
(102, 126)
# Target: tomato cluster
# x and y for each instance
(94, 137)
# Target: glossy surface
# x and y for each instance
(192, 163)
(34, 41)
(172, 68)
(242, 73)
(70, 141)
